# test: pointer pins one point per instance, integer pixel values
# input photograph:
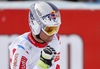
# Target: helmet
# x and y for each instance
(44, 16)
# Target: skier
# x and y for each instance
(39, 48)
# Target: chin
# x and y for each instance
(48, 41)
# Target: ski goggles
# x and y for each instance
(50, 30)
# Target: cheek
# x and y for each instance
(43, 35)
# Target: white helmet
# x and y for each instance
(44, 16)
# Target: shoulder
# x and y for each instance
(20, 40)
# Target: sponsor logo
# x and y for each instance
(31, 40)
(29, 47)
(14, 51)
(52, 16)
(58, 66)
(23, 63)
(39, 13)
(31, 18)
(31, 15)
(57, 57)
(15, 61)
(23, 48)
(27, 52)
(11, 55)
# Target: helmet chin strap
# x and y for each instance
(38, 37)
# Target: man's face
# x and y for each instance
(45, 37)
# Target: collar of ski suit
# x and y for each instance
(40, 45)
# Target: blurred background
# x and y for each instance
(79, 31)
(57, 0)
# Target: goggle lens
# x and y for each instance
(51, 30)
